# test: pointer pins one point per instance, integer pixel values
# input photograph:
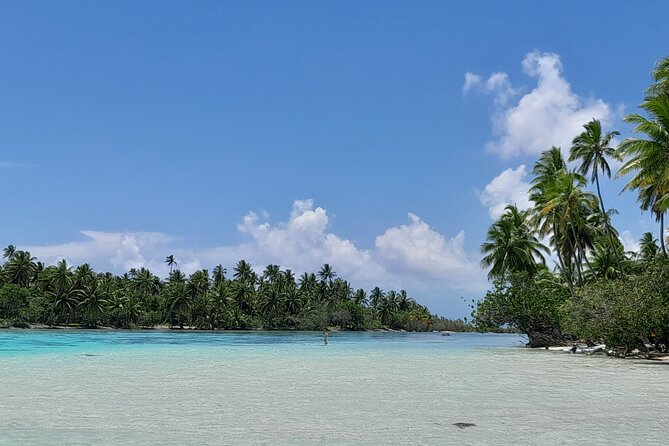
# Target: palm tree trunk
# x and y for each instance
(574, 251)
(608, 227)
(664, 248)
(559, 255)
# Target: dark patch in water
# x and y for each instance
(88, 354)
(464, 425)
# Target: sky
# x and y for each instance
(382, 137)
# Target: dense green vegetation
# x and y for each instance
(597, 292)
(32, 293)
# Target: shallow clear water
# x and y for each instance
(153, 387)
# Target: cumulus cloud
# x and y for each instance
(116, 251)
(550, 114)
(418, 248)
(629, 241)
(413, 256)
(509, 187)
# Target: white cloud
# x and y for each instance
(420, 250)
(629, 241)
(471, 80)
(550, 114)
(509, 187)
(412, 256)
(115, 251)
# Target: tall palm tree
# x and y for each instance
(571, 205)
(661, 78)
(546, 170)
(649, 159)
(171, 262)
(511, 245)
(8, 252)
(592, 148)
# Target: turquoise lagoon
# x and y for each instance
(175, 388)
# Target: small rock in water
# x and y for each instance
(463, 425)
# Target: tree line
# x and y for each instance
(32, 293)
(597, 291)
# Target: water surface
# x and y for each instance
(175, 388)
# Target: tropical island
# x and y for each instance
(598, 292)
(32, 294)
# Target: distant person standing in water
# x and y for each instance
(325, 336)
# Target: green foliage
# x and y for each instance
(14, 301)
(530, 303)
(630, 314)
(61, 295)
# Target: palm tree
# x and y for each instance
(547, 167)
(404, 302)
(571, 206)
(270, 305)
(65, 301)
(145, 283)
(661, 78)
(511, 245)
(648, 248)
(178, 301)
(360, 297)
(649, 159)
(218, 274)
(59, 277)
(83, 275)
(546, 170)
(242, 294)
(307, 283)
(20, 269)
(326, 274)
(8, 252)
(271, 272)
(603, 262)
(116, 305)
(387, 307)
(244, 272)
(592, 148)
(219, 305)
(92, 302)
(375, 297)
(171, 262)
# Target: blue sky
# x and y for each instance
(302, 132)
